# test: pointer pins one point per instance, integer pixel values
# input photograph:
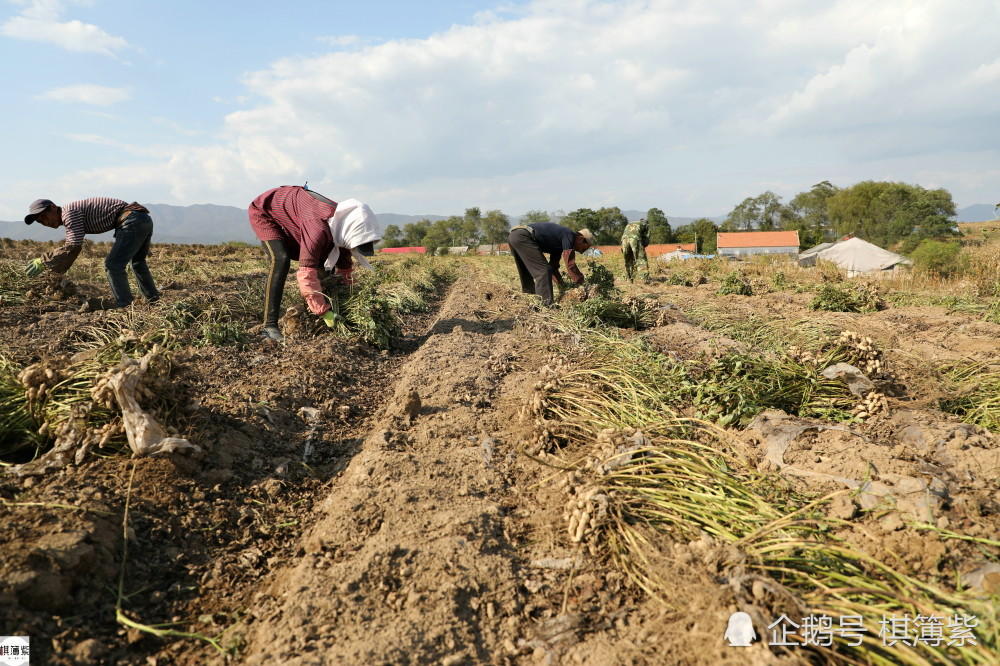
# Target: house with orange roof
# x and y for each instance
(741, 244)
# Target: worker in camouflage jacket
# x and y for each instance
(634, 241)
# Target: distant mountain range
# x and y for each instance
(976, 213)
(210, 224)
(201, 223)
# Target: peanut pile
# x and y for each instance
(868, 357)
(544, 429)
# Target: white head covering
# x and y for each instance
(352, 224)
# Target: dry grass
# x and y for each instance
(685, 483)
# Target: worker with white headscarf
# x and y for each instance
(296, 223)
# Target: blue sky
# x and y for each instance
(430, 108)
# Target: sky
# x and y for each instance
(433, 107)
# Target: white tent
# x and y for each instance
(855, 256)
(813, 250)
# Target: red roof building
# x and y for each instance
(403, 250)
(746, 243)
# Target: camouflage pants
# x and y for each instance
(635, 257)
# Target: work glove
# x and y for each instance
(330, 318)
(35, 268)
(346, 276)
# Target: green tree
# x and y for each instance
(495, 227)
(470, 230)
(773, 212)
(806, 237)
(763, 212)
(730, 224)
(414, 232)
(392, 236)
(939, 258)
(933, 215)
(582, 218)
(611, 224)
(455, 228)
(684, 234)
(607, 224)
(810, 215)
(885, 213)
(659, 227)
(534, 217)
(442, 234)
(743, 216)
(704, 231)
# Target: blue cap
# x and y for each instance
(37, 206)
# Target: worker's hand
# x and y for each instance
(346, 276)
(35, 268)
(330, 318)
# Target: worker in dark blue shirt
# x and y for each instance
(530, 243)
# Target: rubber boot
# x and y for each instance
(272, 333)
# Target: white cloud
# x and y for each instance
(40, 22)
(85, 93)
(987, 74)
(566, 84)
(178, 128)
(964, 180)
(542, 90)
(579, 103)
(95, 139)
(192, 176)
(342, 41)
(888, 63)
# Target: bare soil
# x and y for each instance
(405, 526)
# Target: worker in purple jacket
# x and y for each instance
(530, 243)
(133, 232)
(295, 223)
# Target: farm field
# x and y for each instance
(459, 477)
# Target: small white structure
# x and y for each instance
(739, 244)
(672, 251)
(676, 255)
(855, 256)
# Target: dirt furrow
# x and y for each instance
(410, 544)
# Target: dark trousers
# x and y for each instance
(132, 239)
(532, 267)
(277, 252)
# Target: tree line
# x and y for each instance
(881, 212)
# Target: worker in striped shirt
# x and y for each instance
(133, 232)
